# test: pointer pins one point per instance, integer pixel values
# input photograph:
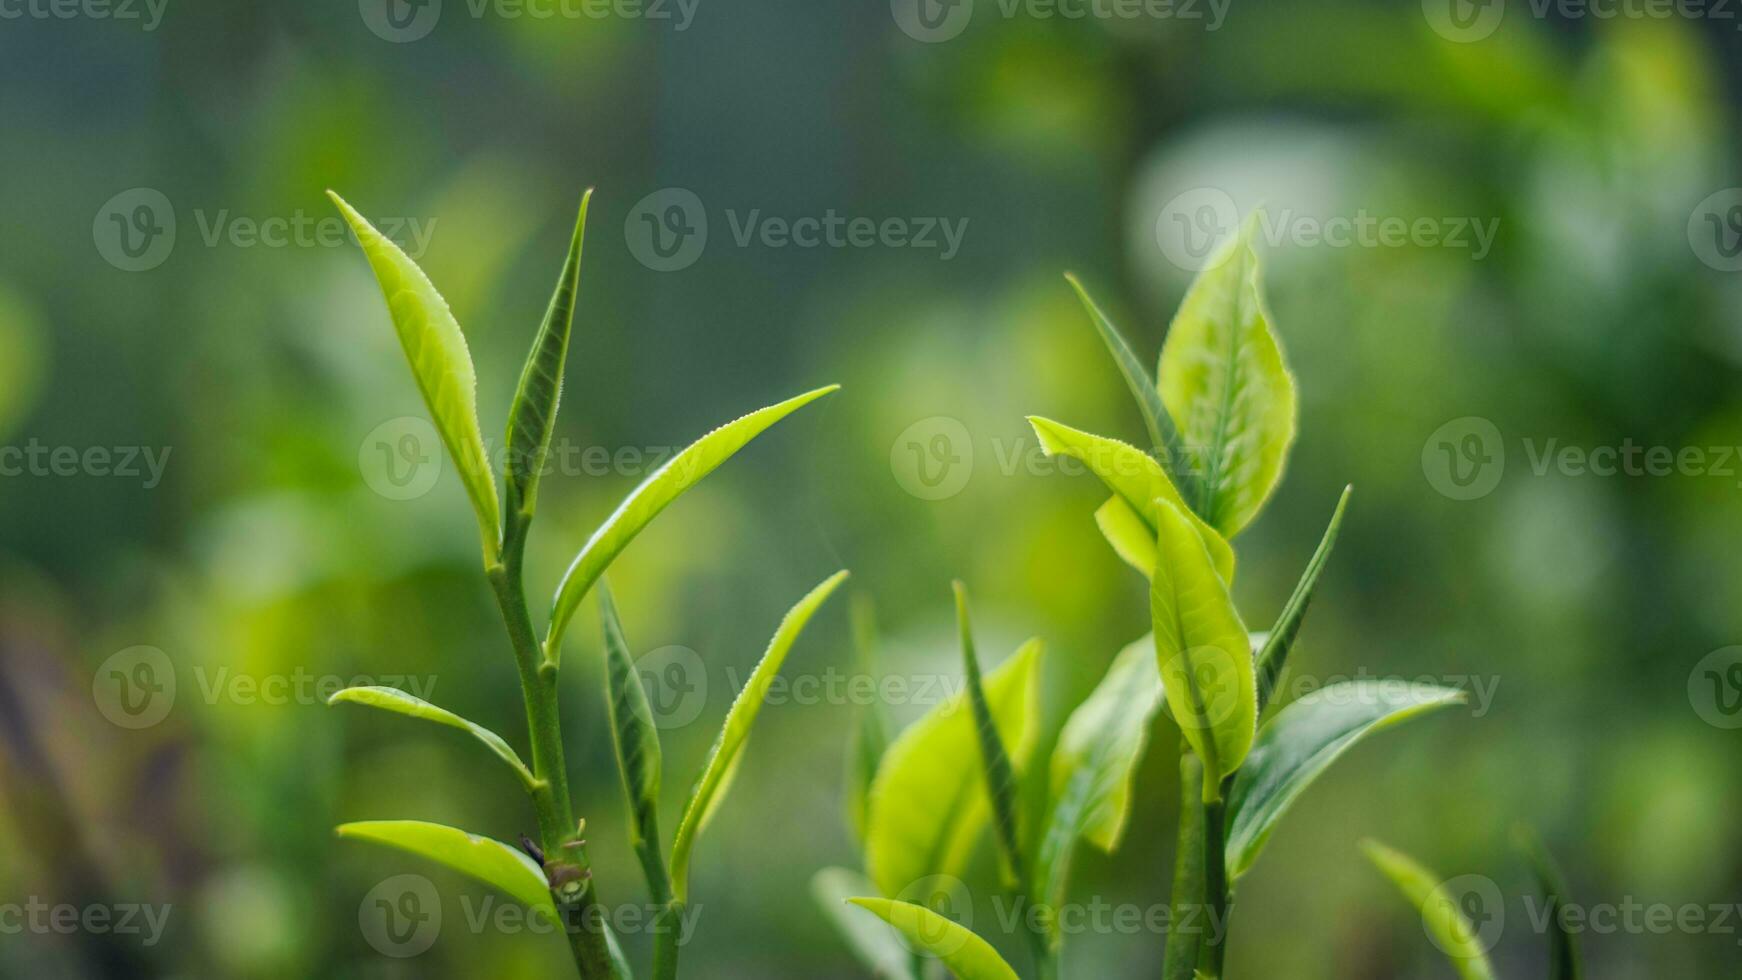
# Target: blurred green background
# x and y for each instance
(1603, 314)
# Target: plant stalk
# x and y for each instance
(1180, 961)
(580, 913)
(1215, 890)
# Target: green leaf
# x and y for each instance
(1134, 477)
(441, 364)
(1180, 959)
(926, 804)
(1204, 652)
(1445, 921)
(1273, 656)
(1564, 949)
(869, 737)
(532, 418)
(968, 956)
(1163, 437)
(489, 861)
(1302, 741)
(1093, 765)
(875, 944)
(399, 702)
(739, 718)
(636, 740)
(1000, 777)
(1223, 379)
(643, 504)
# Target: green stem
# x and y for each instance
(667, 939)
(558, 833)
(1215, 890)
(1180, 961)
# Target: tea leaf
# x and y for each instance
(875, 944)
(678, 474)
(1204, 652)
(532, 418)
(1136, 478)
(1163, 437)
(441, 364)
(1563, 961)
(487, 860)
(1179, 960)
(1445, 921)
(1000, 778)
(399, 702)
(1093, 765)
(1273, 656)
(1302, 741)
(739, 718)
(870, 733)
(633, 732)
(926, 804)
(1223, 379)
(968, 956)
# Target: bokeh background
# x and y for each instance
(261, 371)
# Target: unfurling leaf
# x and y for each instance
(1163, 437)
(1273, 656)
(646, 501)
(636, 740)
(1563, 959)
(968, 956)
(927, 805)
(869, 737)
(397, 701)
(532, 418)
(876, 945)
(441, 364)
(724, 755)
(1203, 650)
(489, 861)
(1302, 741)
(1135, 478)
(1223, 379)
(1445, 920)
(1000, 777)
(1093, 764)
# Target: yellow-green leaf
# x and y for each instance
(927, 802)
(487, 860)
(1446, 923)
(968, 956)
(1223, 379)
(653, 495)
(1203, 649)
(441, 364)
(397, 701)
(875, 944)
(739, 718)
(1134, 477)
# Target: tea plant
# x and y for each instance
(1220, 414)
(553, 875)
